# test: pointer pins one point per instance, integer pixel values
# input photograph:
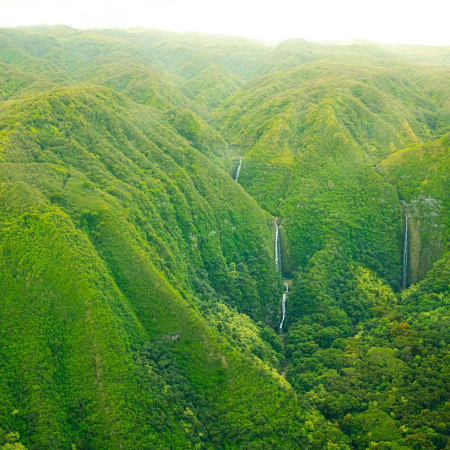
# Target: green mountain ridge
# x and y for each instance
(140, 301)
(88, 187)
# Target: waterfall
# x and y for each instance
(238, 169)
(405, 254)
(278, 266)
(277, 249)
(283, 305)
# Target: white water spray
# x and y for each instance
(405, 254)
(238, 169)
(278, 266)
(277, 249)
(283, 305)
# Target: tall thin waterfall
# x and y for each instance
(278, 266)
(277, 249)
(238, 169)
(283, 305)
(405, 254)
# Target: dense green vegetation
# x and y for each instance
(421, 175)
(139, 295)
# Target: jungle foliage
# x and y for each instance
(139, 296)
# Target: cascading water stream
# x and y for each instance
(238, 169)
(283, 305)
(405, 254)
(277, 249)
(278, 266)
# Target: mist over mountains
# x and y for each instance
(148, 182)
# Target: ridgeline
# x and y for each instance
(140, 175)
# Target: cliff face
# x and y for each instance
(420, 175)
(426, 234)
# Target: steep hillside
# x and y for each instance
(141, 306)
(309, 135)
(37, 59)
(313, 131)
(421, 176)
(115, 235)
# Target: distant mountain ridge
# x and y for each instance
(140, 301)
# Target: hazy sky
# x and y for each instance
(420, 22)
